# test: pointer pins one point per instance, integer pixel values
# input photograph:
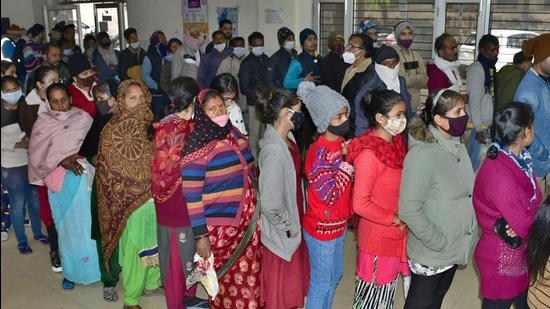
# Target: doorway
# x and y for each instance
(90, 18)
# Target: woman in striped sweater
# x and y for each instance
(217, 174)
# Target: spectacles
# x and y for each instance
(350, 46)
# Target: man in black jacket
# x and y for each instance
(253, 73)
(280, 60)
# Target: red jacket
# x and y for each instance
(375, 199)
(436, 78)
(82, 101)
(329, 190)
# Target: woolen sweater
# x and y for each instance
(328, 190)
(215, 184)
(502, 189)
(375, 199)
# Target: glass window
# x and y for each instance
(420, 13)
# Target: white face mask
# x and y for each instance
(258, 51)
(135, 45)
(12, 97)
(68, 52)
(348, 57)
(395, 126)
(289, 45)
(219, 47)
(238, 51)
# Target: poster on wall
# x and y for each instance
(195, 15)
(273, 16)
(231, 13)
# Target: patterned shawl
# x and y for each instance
(55, 136)
(206, 133)
(124, 166)
(171, 133)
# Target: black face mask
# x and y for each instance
(297, 120)
(340, 130)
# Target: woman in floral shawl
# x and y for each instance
(175, 236)
(217, 174)
(126, 210)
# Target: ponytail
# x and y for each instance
(271, 101)
(509, 123)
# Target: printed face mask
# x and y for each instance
(395, 126)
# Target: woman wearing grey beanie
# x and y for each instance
(329, 185)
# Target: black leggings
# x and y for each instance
(427, 292)
(520, 300)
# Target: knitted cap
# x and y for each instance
(322, 103)
(366, 24)
(538, 47)
(78, 63)
(385, 52)
(401, 26)
(283, 34)
(305, 33)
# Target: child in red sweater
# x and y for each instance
(378, 157)
(329, 192)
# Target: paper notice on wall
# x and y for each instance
(195, 15)
(231, 13)
(273, 16)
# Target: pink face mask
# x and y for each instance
(221, 120)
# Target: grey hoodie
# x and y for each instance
(278, 195)
(436, 199)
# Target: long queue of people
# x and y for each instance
(137, 161)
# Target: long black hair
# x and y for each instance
(380, 102)
(509, 123)
(538, 242)
(225, 82)
(445, 102)
(6, 65)
(272, 101)
(38, 75)
(181, 91)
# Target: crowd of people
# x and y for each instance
(139, 162)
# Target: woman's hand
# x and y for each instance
(510, 232)
(203, 247)
(345, 147)
(23, 144)
(312, 78)
(396, 221)
(70, 163)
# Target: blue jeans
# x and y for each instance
(474, 148)
(16, 181)
(326, 268)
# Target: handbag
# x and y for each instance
(500, 230)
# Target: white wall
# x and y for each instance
(148, 16)
(166, 15)
(24, 13)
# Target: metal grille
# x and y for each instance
(525, 15)
(331, 20)
(420, 13)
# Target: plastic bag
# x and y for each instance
(208, 277)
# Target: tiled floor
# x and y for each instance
(28, 282)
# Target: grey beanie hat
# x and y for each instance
(401, 26)
(322, 103)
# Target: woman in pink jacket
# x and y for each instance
(506, 191)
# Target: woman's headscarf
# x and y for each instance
(205, 132)
(55, 136)
(124, 166)
(171, 134)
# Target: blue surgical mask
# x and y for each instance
(258, 51)
(239, 51)
(12, 97)
(219, 47)
(297, 119)
(289, 45)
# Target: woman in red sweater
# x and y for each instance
(378, 157)
(328, 190)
